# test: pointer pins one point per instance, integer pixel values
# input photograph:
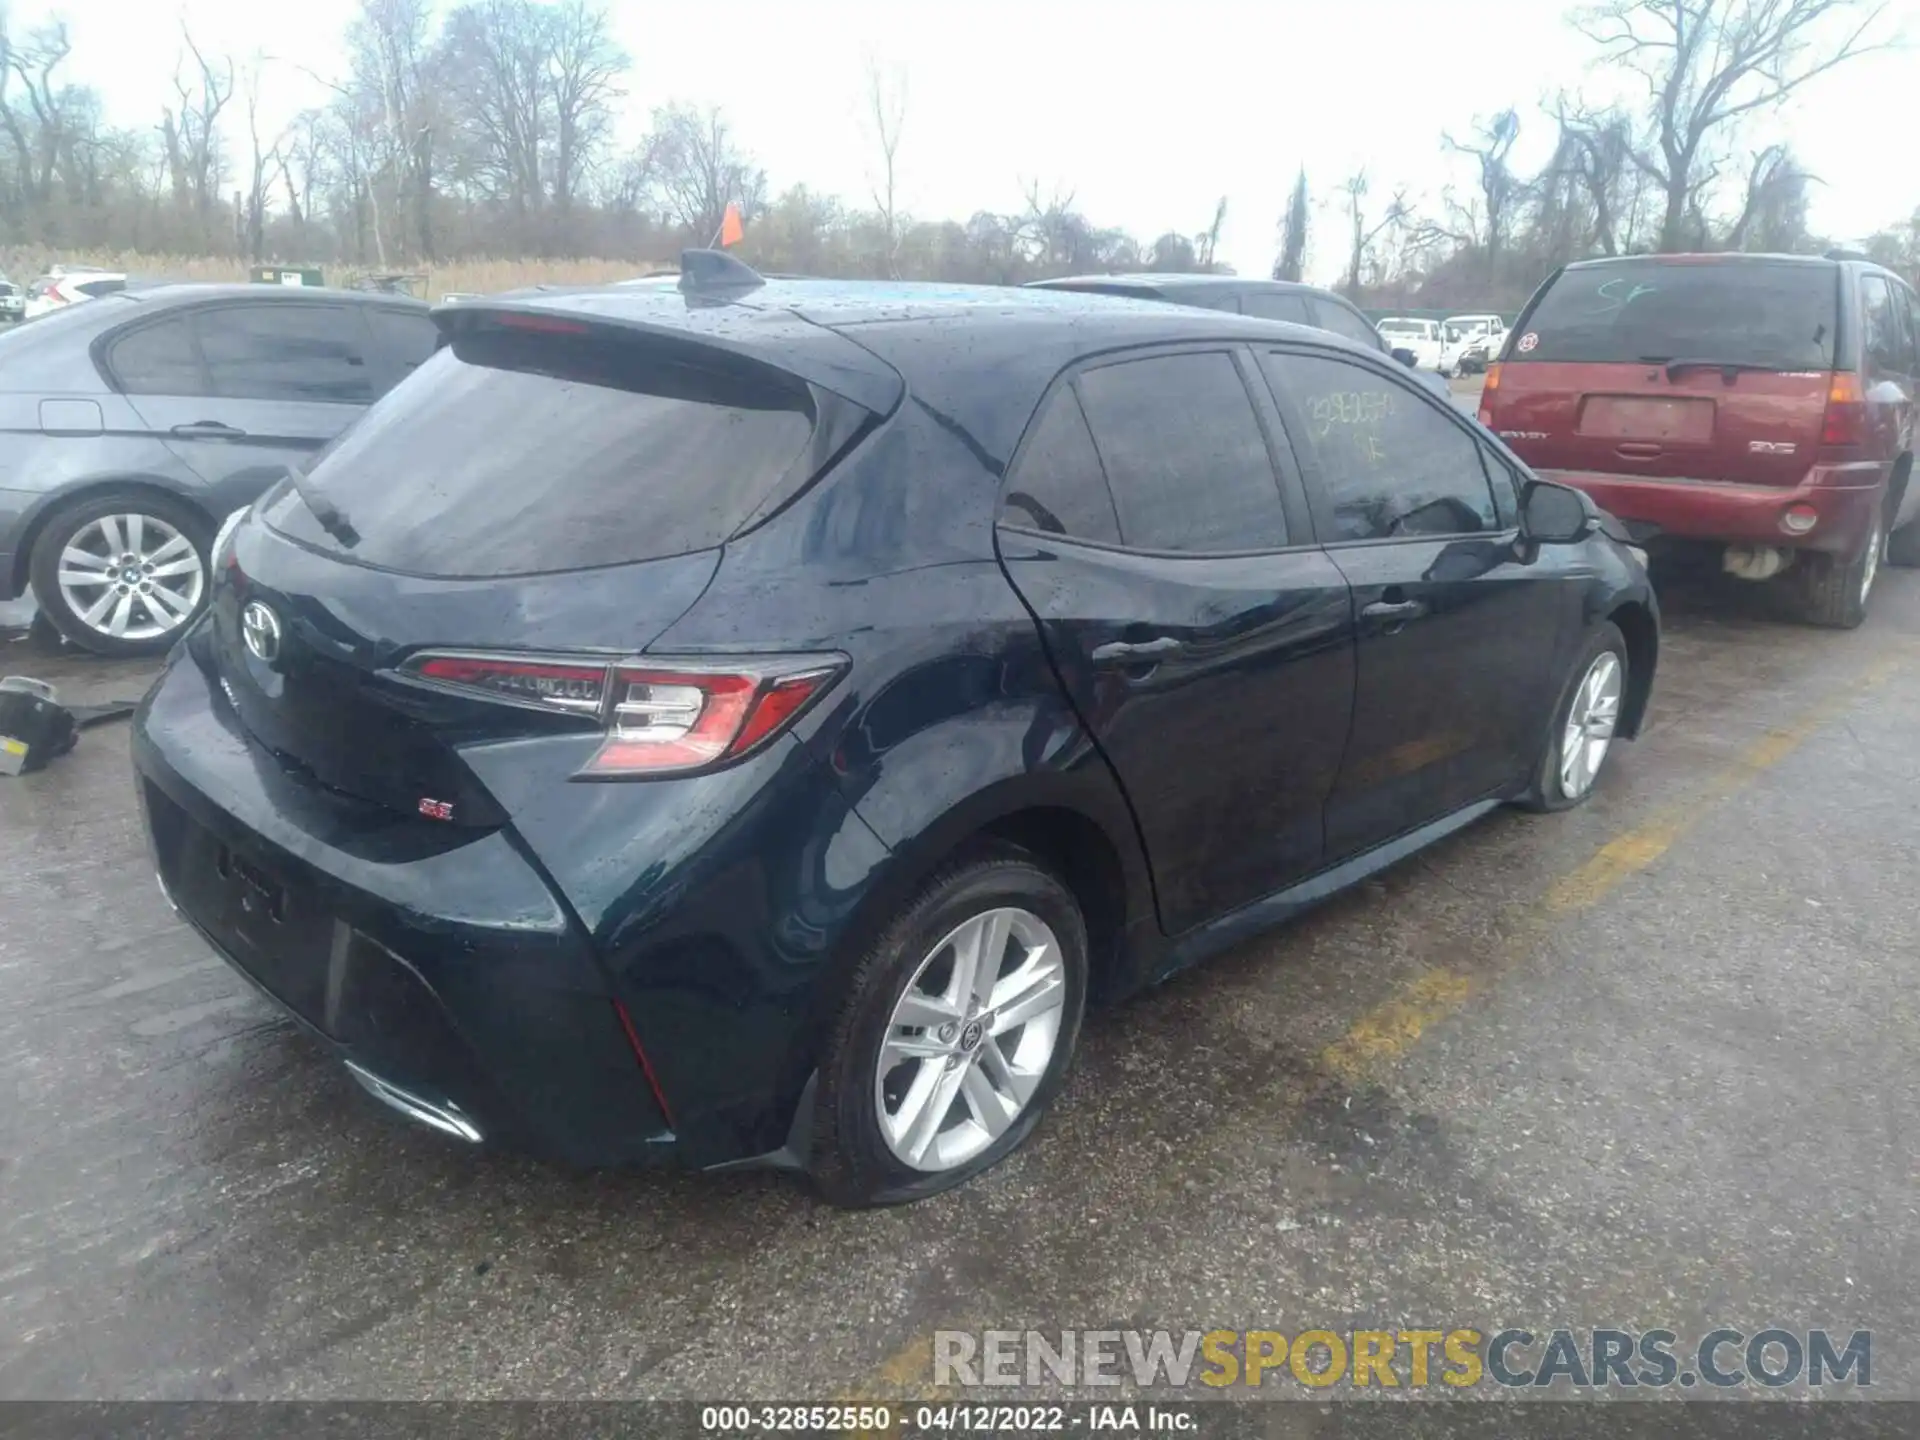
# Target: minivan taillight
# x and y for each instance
(659, 717)
(1846, 422)
(1489, 392)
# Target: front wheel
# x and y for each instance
(122, 574)
(956, 1032)
(1580, 735)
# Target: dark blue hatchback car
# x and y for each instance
(749, 722)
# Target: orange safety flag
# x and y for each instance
(731, 230)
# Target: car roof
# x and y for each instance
(863, 338)
(162, 293)
(1707, 258)
(1162, 281)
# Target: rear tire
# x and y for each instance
(126, 540)
(866, 1150)
(1573, 754)
(1834, 590)
(1903, 546)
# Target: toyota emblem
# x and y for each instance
(261, 628)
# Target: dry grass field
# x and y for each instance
(477, 276)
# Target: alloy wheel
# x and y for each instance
(131, 576)
(970, 1039)
(1590, 725)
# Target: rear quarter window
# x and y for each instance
(1780, 316)
(1339, 320)
(509, 454)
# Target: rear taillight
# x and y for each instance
(1846, 422)
(1488, 393)
(659, 717)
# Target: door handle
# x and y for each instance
(1401, 610)
(1122, 652)
(208, 430)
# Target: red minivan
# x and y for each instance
(1761, 402)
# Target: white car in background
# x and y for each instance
(65, 285)
(1469, 342)
(1422, 337)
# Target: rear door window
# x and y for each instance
(523, 453)
(308, 353)
(1058, 487)
(1346, 323)
(1184, 454)
(158, 359)
(1780, 316)
(1276, 305)
(1390, 464)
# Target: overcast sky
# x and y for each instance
(1147, 114)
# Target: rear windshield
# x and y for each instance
(511, 453)
(1745, 313)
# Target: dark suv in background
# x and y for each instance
(1764, 403)
(746, 725)
(132, 425)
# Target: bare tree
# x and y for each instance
(1597, 153)
(497, 57)
(266, 161)
(192, 130)
(1362, 234)
(1709, 63)
(1208, 240)
(584, 71)
(887, 114)
(1500, 190)
(1773, 214)
(699, 168)
(1292, 262)
(40, 138)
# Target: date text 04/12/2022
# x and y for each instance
(949, 1419)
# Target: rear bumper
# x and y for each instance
(445, 971)
(1843, 497)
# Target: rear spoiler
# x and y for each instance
(771, 339)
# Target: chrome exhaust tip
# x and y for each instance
(446, 1118)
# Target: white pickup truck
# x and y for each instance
(1422, 337)
(1469, 342)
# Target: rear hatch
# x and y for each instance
(1695, 368)
(548, 493)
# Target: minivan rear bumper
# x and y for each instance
(1842, 497)
(445, 971)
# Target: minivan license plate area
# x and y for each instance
(1675, 419)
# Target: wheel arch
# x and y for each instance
(1897, 481)
(59, 501)
(1087, 842)
(1641, 631)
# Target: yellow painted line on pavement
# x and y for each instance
(1389, 1030)
(1385, 1033)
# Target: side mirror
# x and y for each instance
(1407, 358)
(1556, 514)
